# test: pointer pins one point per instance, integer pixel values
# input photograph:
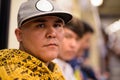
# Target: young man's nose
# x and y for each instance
(51, 32)
(73, 44)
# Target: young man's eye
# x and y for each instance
(57, 25)
(68, 36)
(41, 25)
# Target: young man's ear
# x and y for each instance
(18, 34)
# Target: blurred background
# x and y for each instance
(100, 14)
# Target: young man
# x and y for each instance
(80, 62)
(40, 34)
(73, 32)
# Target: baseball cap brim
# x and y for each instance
(63, 15)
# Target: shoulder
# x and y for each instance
(6, 54)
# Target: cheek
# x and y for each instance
(60, 36)
(77, 46)
(31, 37)
(64, 46)
(66, 43)
(27, 40)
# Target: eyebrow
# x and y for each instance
(59, 21)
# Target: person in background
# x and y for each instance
(80, 63)
(40, 34)
(73, 32)
(112, 59)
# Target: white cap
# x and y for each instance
(36, 8)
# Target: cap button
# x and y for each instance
(44, 5)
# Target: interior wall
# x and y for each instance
(12, 41)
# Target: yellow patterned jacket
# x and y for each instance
(18, 65)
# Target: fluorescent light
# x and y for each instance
(96, 2)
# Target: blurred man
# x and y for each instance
(80, 63)
(112, 64)
(73, 32)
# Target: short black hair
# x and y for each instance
(87, 28)
(76, 26)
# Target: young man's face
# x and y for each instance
(42, 37)
(85, 41)
(69, 46)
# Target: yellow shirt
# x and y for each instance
(18, 65)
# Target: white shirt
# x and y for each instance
(66, 69)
